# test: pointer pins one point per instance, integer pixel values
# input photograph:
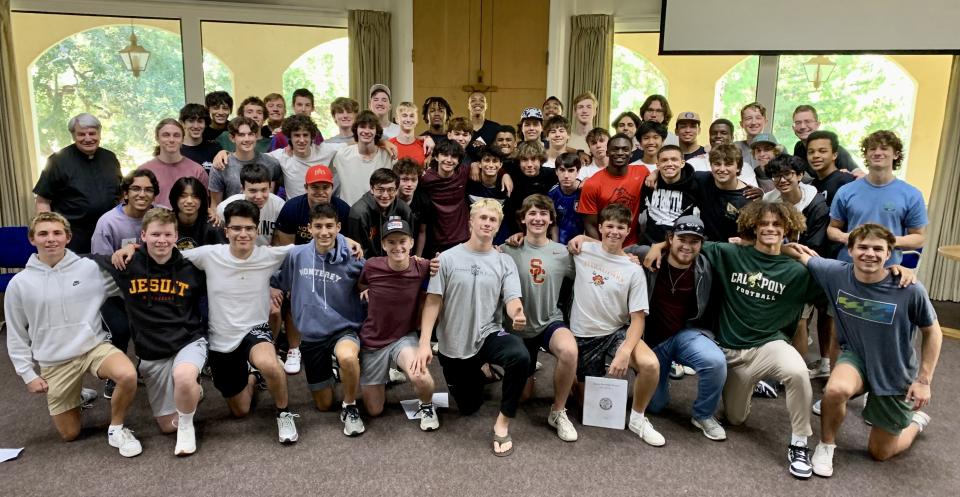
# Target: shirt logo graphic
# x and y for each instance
(868, 310)
(598, 279)
(76, 282)
(475, 270)
(754, 278)
(537, 271)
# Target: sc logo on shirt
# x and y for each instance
(536, 271)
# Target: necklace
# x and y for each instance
(673, 284)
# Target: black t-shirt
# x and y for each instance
(719, 209)
(202, 154)
(672, 303)
(488, 132)
(696, 153)
(211, 134)
(828, 186)
(294, 217)
(81, 188)
(844, 159)
(523, 187)
(199, 234)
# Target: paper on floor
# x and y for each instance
(10, 454)
(411, 406)
(605, 402)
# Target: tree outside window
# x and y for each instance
(736, 88)
(325, 71)
(634, 78)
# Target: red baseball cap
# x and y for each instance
(319, 174)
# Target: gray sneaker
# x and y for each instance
(352, 424)
(428, 417)
(711, 428)
(87, 396)
(565, 429)
(286, 428)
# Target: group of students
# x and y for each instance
(521, 222)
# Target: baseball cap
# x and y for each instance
(380, 87)
(688, 116)
(396, 225)
(319, 174)
(531, 113)
(764, 138)
(689, 225)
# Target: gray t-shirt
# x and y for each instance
(877, 321)
(228, 180)
(542, 274)
(474, 286)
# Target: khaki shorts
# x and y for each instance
(65, 380)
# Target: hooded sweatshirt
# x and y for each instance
(665, 203)
(323, 289)
(53, 313)
(162, 302)
(815, 209)
(366, 221)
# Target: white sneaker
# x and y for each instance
(922, 419)
(292, 364)
(428, 417)
(397, 376)
(676, 371)
(816, 408)
(822, 460)
(646, 431)
(565, 429)
(820, 370)
(711, 428)
(125, 441)
(186, 440)
(286, 428)
(352, 424)
(687, 370)
(87, 396)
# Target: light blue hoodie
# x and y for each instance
(323, 289)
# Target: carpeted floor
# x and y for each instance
(242, 457)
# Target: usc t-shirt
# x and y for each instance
(603, 189)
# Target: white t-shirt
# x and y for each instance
(700, 163)
(391, 131)
(608, 288)
(351, 172)
(295, 168)
(238, 290)
(268, 216)
(587, 171)
(650, 167)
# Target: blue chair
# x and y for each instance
(15, 251)
(911, 258)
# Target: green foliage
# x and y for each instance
(634, 78)
(863, 94)
(216, 75)
(735, 89)
(324, 70)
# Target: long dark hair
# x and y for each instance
(198, 190)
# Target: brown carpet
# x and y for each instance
(242, 457)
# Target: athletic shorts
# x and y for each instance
(231, 370)
(534, 343)
(890, 413)
(317, 358)
(158, 375)
(596, 353)
(375, 363)
(65, 380)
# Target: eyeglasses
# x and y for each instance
(787, 175)
(141, 189)
(378, 191)
(242, 229)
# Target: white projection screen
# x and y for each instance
(771, 27)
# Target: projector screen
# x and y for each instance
(771, 27)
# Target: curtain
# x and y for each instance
(16, 199)
(939, 274)
(590, 64)
(369, 34)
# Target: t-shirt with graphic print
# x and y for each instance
(876, 321)
(608, 288)
(762, 295)
(541, 270)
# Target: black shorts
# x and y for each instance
(596, 353)
(533, 344)
(231, 369)
(317, 358)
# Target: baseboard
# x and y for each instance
(951, 333)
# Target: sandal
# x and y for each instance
(497, 439)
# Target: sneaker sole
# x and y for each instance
(429, 428)
(554, 426)
(184, 452)
(824, 474)
(801, 476)
(354, 434)
(290, 440)
(291, 373)
(647, 441)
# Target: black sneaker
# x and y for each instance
(261, 383)
(799, 458)
(764, 390)
(108, 387)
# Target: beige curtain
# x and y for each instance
(369, 34)
(939, 274)
(16, 198)
(591, 61)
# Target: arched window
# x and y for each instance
(325, 71)
(736, 88)
(216, 75)
(634, 78)
(864, 93)
(84, 73)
